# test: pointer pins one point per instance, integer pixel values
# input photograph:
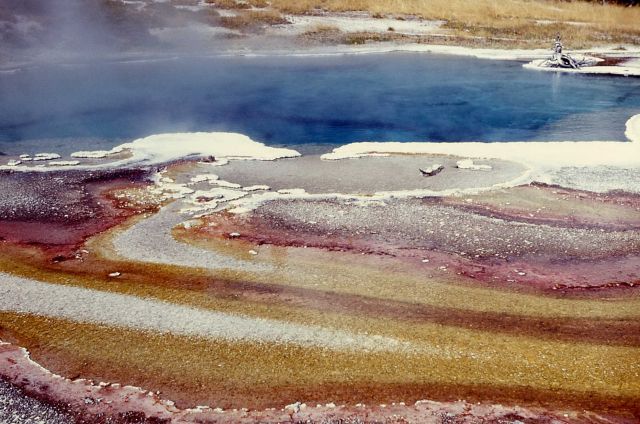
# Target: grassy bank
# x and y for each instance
(526, 23)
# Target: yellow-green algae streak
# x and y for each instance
(456, 362)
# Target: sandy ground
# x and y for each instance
(354, 22)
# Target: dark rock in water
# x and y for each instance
(3, 154)
(432, 170)
(209, 159)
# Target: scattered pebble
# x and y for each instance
(469, 164)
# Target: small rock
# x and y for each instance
(115, 274)
(469, 164)
(295, 407)
(256, 188)
(432, 170)
(295, 191)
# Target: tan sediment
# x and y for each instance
(94, 402)
(340, 272)
(538, 203)
(194, 371)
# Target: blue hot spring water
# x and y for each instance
(303, 101)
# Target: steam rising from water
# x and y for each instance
(86, 30)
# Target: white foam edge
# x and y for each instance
(164, 148)
(633, 129)
(534, 154)
(618, 70)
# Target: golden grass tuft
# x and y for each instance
(229, 4)
(253, 19)
(591, 23)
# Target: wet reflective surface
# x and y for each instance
(309, 100)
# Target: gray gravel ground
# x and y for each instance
(54, 197)
(365, 175)
(60, 197)
(597, 178)
(421, 224)
(150, 240)
(117, 310)
(16, 408)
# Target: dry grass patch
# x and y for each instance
(478, 11)
(229, 4)
(253, 20)
(367, 37)
(239, 4)
(529, 34)
(323, 34)
(597, 24)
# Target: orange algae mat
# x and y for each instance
(471, 335)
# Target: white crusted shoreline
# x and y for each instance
(630, 52)
(164, 148)
(545, 160)
(627, 69)
(548, 162)
(538, 154)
